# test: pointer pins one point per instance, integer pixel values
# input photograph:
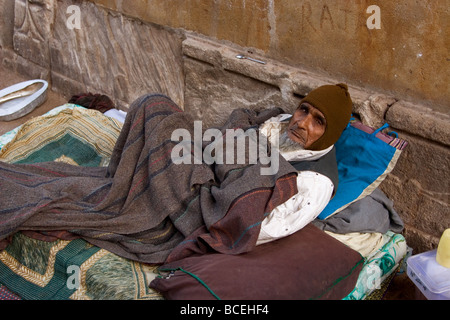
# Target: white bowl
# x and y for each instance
(21, 106)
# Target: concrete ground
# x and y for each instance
(401, 287)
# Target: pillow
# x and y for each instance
(365, 156)
(308, 264)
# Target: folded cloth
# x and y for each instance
(143, 206)
(119, 115)
(366, 243)
(373, 213)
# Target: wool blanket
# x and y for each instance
(143, 206)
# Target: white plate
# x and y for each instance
(19, 107)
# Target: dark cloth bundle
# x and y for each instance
(97, 101)
(143, 206)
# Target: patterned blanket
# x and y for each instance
(379, 267)
(37, 265)
(76, 270)
(142, 206)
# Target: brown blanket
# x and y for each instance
(143, 206)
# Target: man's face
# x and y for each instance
(307, 125)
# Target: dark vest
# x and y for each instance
(326, 165)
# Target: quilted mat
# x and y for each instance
(61, 270)
(34, 269)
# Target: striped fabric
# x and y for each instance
(7, 137)
(68, 134)
(141, 206)
(391, 139)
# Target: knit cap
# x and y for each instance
(335, 103)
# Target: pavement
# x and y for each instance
(8, 78)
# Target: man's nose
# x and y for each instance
(304, 123)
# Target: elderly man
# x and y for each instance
(306, 141)
(145, 207)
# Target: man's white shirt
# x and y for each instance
(314, 193)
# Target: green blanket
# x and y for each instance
(63, 269)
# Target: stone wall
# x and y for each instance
(107, 53)
(145, 46)
(407, 54)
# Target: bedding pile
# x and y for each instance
(34, 263)
(142, 206)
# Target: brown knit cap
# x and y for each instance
(335, 103)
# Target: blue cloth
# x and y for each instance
(363, 160)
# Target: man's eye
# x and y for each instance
(304, 108)
(320, 121)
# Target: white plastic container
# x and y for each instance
(430, 277)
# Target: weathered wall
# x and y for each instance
(408, 55)
(128, 48)
(110, 53)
